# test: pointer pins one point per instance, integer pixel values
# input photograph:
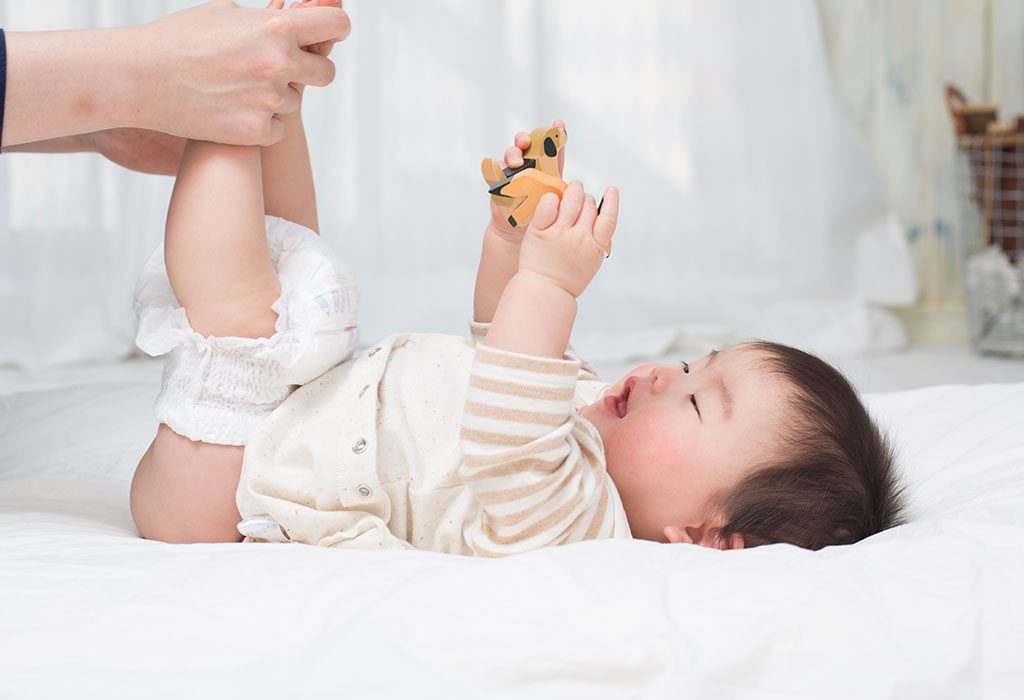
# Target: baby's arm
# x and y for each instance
(536, 470)
(499, 259)
(560, 254)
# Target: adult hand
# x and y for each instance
(216, 72)
(223, 72)
(138, 149)
(135, 149)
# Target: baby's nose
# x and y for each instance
(659, 380)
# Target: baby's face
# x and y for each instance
(674, 440)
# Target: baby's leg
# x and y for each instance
(215, 245)
(222, 275)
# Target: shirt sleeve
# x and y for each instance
(478, 332)
(535, 467)
(3, 82)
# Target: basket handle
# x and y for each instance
(955, 102)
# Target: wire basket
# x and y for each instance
(990, 192)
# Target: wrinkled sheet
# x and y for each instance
(930, 610)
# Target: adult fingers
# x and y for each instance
(291, 100)
(572, 204)
(546, 212)
(316, 24)
(604, 226)
(275, 133)
(312, 69)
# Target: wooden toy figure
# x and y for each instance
(518, 190)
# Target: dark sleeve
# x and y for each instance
(3, 82)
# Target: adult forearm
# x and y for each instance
(90, 78)
(215, 72)
(499, 262)
(534, 317)
(62, 144)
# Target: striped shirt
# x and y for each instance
(434, 442)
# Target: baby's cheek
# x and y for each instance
(657, 444)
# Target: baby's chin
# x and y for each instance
(594, 414)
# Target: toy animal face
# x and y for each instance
(554, 140)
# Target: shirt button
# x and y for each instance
(363, 390)
(373, 352)
(359, 446)
(365, 491)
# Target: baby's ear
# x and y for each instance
(675, 535)
(702, 535)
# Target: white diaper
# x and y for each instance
(218, 389)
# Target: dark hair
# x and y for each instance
(835, 483)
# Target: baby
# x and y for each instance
(492, 445)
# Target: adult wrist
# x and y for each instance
(140, 75)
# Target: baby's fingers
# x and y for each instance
(546, 212)
(572, 204)
(588, 215)
(513, 157)
(607, 219)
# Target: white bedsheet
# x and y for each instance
(933, 609)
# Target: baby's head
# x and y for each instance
(757, 444)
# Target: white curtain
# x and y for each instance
(747, 208)
(891, 62)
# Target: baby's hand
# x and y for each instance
(567, 241)
(323, 48)
(514, 159)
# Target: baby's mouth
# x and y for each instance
(618, 405)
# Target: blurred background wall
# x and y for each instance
(784, 166)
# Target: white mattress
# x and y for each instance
(933, 609)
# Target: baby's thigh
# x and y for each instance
(184, 491)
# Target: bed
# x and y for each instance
(932, 609)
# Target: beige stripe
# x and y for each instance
(520, 453)
(595, 524)
(511, 414)
(530, 364)
(561, 478)
(514, 468)
(572, 526)
(489, 498)
(521, 516)
(485, 438)
(524, 390)
(592, 454)
(542, 525)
